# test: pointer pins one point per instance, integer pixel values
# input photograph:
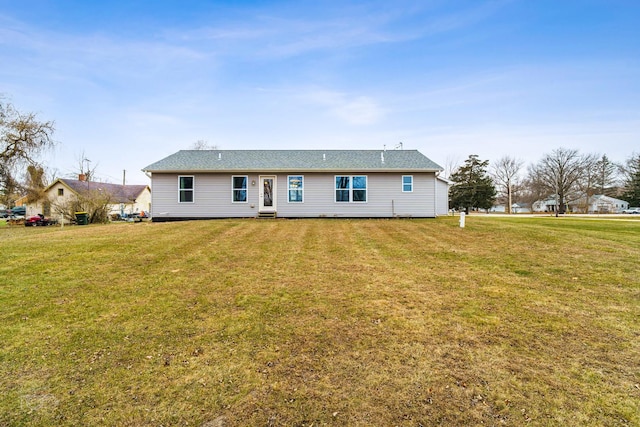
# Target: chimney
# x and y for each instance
(82, 177)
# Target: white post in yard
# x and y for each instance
(462, 215)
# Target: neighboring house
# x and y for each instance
(122, 198)
(548, 205)
(515, 208)
(599, 204)
(199, 184)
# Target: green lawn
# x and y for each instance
(510, 321)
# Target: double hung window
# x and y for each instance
(296, 188)
(239, 189)
(185, 189)
(407, 183)
(351, 188)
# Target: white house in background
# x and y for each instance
(600, 204)
(597, 204)
(123, 198)
(515, 208)
(201, 184)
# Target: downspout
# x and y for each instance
(435, 195)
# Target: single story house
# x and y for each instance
(599, 204)
(515, 208)
(202, 184)
(121, 198)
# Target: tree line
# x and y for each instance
(564, 175)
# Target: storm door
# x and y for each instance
(267, 194)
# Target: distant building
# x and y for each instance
(122, 199)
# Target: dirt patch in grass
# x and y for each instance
(322, 322)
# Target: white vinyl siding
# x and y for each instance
(384, 197)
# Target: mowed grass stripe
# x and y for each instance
(323, 322)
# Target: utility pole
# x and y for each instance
(509, 194)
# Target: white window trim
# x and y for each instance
(350, 189)
(233, 189)
(193, 189)
(403, 177)
(289, 189)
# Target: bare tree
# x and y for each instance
(22, 138)
(94, 202)
(606, 177)
(451, 164)
(559, 173)
(85, 171)
(505, 174)
(585, 184)
(201, 144)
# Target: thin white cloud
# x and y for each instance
(353, 110)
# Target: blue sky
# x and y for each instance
(130, 82)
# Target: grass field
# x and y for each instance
(510, 321)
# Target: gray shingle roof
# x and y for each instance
(294, 161)
(119, 193)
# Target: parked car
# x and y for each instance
(19, 211)
(631, 211)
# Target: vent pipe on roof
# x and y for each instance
(382, 157)
(324, 157)
(219, 156)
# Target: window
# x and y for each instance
(185, 185)
(60, 191)
(407, 183)
(239, 188)
(296, 188)
(351, 188)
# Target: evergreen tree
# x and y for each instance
(632, 180)
(473, 188)
(606, 177)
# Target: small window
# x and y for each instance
(351, 189)
(407, 183)
(296, 188)
(60, 191)
(239, 188)
(185, 189)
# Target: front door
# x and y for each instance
(267, 194)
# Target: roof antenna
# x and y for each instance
(399, 146)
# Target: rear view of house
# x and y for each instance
(200, 184)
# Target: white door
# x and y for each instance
(267, 194)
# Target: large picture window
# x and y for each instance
(407, 183)
(185, 189)
(351, 188)
(296, 188)
(239, 188)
